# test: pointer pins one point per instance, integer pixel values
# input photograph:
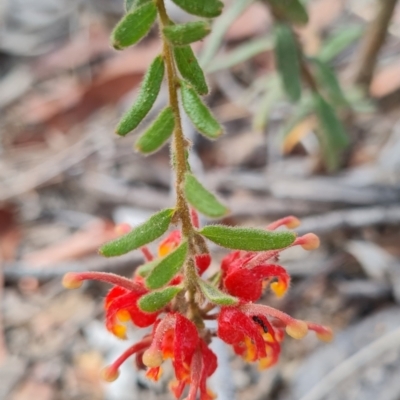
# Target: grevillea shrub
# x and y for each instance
(172, 292)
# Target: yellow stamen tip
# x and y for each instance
(109, 374)
(326, 336)
(292, 223)
(297, 329)
(152, 358)
(119, 331)
(279, 288)
(71, 281)
(123, 316)
(311, 241)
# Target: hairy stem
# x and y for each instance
(179, 146)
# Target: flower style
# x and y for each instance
(254, 331)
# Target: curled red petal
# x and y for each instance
(203, 261)
(234, 326)
(185, 343)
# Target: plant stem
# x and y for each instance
(179, 146)
(373, 41)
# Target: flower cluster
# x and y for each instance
(254, 331)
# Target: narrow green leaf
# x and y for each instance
(130, 4)
(156, 301)
(134, 26)
(241, 53)
(201, 8)
(167, 267)
(147, 96)
(290, 10)
(145, 233)
(158, 133)
(215, 295)
(247, 238)
(184, 34)
(327, 79)
(220, 27)
(334, 137)
(190, 69)
(338, 42)
(330, 122)
(199, 113)
(287, 59)
(145, 269)
(201, 199)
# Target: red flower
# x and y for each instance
(176, 337)
(121, 306)
(246, 273)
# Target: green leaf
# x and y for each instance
(287, 59)
(167, 268)
(190, 69)
(220, 27)
(145, 233)
(241, 53)
(158, 133)
(334, 137)
(147, 96)
(199, 113)
(130, 4)
(215, 295)
(339, 42)
(184, 34)
(145, 269)
(134, 26)
(327, 79)
(201, 199)
(247, 238)
(201, 8)
(156, 301)
(290, 10)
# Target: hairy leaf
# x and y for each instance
(287, 59)
(158, 133)
(184, 34)
(201, 199)
(215, 295)
(167, 267)
(134, 26)
(201, 8)
(145, 233)
(190, 69)
(199, 113)
(130, 4)
(155, 301)
(147, 96)
(247, 238)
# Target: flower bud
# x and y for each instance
(297, 329)
(71, 280)
(309, 241)
(109, 374)
(152, 358)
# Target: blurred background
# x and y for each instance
(66, 181)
